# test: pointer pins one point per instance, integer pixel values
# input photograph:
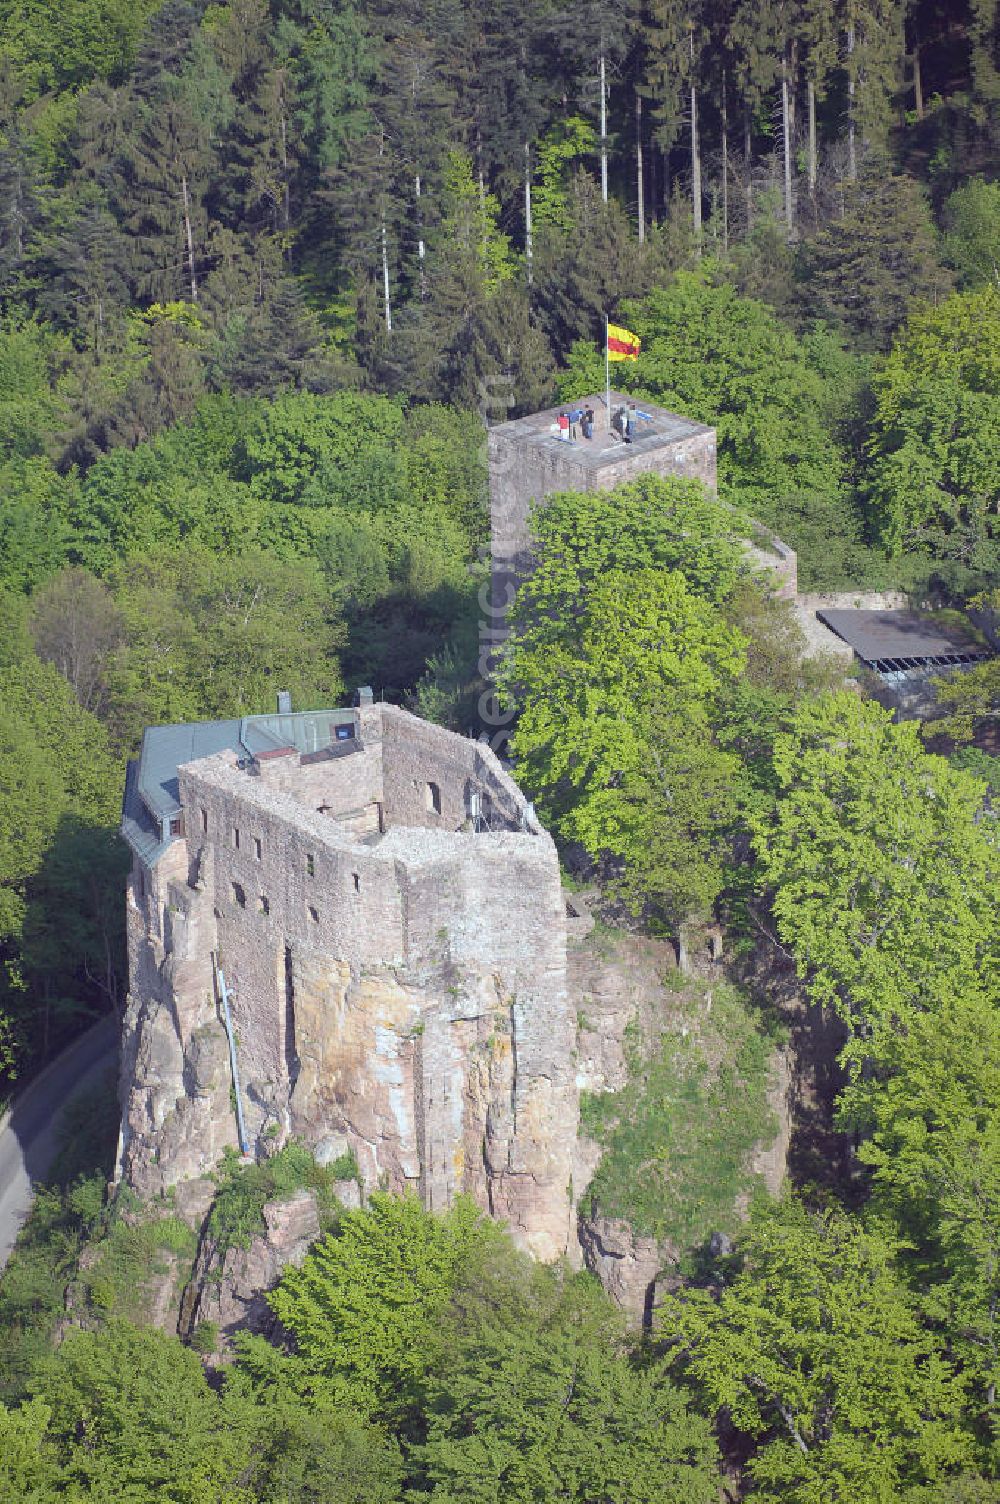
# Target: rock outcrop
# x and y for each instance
(228, 1289)
(628, 991)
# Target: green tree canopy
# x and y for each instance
(366, 1306)
(818, 1351)
(934, 1146)
(543, 1402)
(881, 867)
(614, 732)
(935, 441)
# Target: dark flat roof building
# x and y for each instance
(894, 641)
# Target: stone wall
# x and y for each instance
(419, 757)
(523, 472)
(406, 990)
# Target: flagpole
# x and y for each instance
(607, 373)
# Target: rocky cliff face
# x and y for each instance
(438, 1078)
(228, 1289)
(627, 987)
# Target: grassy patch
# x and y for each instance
(678, 1137)
(128, 1255)
(238, 1213)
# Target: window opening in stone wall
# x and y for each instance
(265, 904)
(310, 866)
(314, 914)
(291, 1054)
(177, 825)
(239, 896)
(433, 798)
(204, 822)
(357, 881)
(257, 848)
(236, 837)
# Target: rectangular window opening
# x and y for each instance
(310, 866)
(257, 848)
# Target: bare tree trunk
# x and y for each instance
(385, 278)
(286, 215)
(528, 247)
(811, 96)
(189, 237)
(852, 159)
(604, 133)
(421, 248)
(786, 130)
(639, 185)
(725, 166)
(385, 250)
(695, 157)
(918, 85)
(746, 159)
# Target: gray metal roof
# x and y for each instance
(165, 748)
(305, 730)
(877, 636)
(139, 828)
(152, 795)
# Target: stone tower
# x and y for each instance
(529, 461)
(387, 914)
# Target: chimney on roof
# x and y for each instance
(365, 695)
(284, 702)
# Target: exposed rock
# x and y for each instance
(193, 1201)
(616, 980)
(627, 1264)
(228, 1287)
(330, 1148)
(771, 1160)
(626, 983)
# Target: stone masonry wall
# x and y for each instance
(523, 473)
(404, 993)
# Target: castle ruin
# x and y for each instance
(386, 914)
(348, 927)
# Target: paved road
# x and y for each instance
(29, 1132)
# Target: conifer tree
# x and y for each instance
(166, 184)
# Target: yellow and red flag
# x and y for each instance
(622, 343)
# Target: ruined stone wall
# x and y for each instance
(693, 458)
(418, 754)
(781, 562)
(403, 996)
(520, 475)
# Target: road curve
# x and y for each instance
(29, 1131)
